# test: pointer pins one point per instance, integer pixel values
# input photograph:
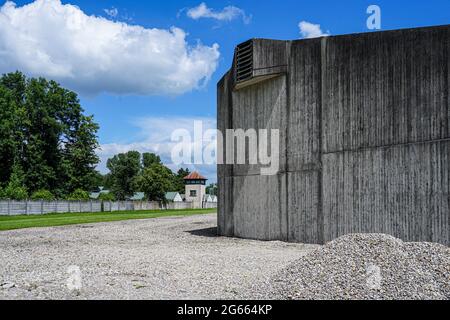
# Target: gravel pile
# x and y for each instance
(370, 266)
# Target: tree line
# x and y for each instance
(46, 141)
(48, 149)
(132, 172)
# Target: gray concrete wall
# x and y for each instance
(364, 124)
(12, 208)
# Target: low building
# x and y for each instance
(96, 195)
(173, 197)
(138, 196)
(207, 198)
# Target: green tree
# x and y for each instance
(150, 158)
(212, 189)
(124, 168)
(106, 197)
(98, 181)
(16, 189)
(178, 184)
(15, 193)
(155, 181)
(80, 156)
(43, 129)
(42, 195)
(12, 123)
(107, 181)
(79, 194)
(42, 134)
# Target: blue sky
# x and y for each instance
(143, 117)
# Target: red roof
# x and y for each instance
(195, 176)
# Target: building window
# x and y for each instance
(193, 193)
(195, 182)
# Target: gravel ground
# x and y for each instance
(371, 266)
(166, 258)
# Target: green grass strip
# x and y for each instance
(62, 219)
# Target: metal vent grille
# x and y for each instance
(244, 61)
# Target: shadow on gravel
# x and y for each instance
(208, 232)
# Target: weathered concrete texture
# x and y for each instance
(385, 89)
(250, 223)
(364, 125)
(402, 190)
(261, 106)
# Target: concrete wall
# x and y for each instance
(364, 124)
(13, 208)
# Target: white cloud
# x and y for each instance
(113, 12)
(155, 136)
(227, 14)
(310, 30)
(92, 54)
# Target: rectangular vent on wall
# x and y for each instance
(244, 61)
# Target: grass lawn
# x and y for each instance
(62, 219)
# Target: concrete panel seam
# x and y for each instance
(387, 146)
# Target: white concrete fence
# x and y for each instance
(13, 208)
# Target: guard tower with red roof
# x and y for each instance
(195, 186)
